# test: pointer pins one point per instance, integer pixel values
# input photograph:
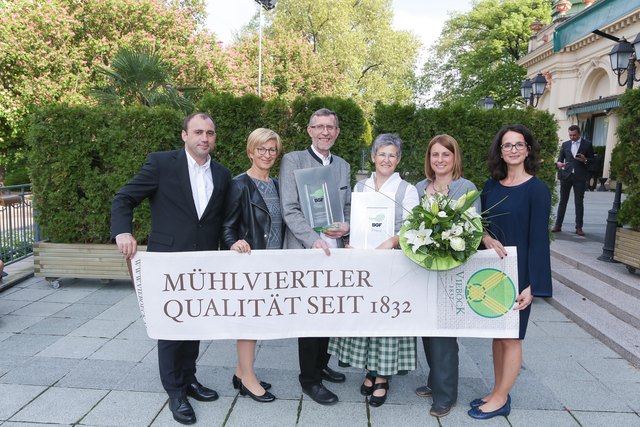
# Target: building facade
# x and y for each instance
(582, 88)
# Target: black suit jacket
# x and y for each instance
(580, 170)
(175, 227)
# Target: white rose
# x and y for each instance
(457, 243)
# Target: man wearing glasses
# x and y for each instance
(323, 128)
(573, 171)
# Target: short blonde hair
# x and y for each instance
(262, 136)
(450, 144)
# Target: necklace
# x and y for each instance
(442, 189)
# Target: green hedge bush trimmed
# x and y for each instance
(625, 161)
(474, 130)
(237, 117)
(79, 156)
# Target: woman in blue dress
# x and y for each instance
(518, 205)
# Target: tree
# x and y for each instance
(52, 51)
(477, 52)
(290, 68)
(375, 61)
(140, 77)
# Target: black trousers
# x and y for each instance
(579, 186)
(442, 358)
(313, 358)
(177, 363)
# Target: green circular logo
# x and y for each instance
(490, 293)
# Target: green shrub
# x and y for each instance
(80, 156)
(474, 130)
(625, 161)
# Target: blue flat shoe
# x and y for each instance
(479, 402)
(478, 414)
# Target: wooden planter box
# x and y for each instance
(627, 249)
(54, 261)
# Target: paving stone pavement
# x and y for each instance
(79, 356)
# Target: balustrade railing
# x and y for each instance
(18, 229)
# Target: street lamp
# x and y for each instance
(266, 5)
(532, 90)
(623, 58)
(487, 103)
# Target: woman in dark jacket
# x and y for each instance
(253, 221)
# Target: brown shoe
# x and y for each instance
(556, 229)
(579, 231)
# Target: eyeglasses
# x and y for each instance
(386, 156)
(262, 151)
(509, 147)
(328, 128)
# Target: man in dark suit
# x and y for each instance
(573, 172)
(187, 190)
(323, 128)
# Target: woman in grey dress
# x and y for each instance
(253, 220)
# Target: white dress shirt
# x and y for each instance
(201, 183)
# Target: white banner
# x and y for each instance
(271, 294)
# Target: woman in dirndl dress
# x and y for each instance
(382, 357)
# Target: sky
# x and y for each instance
(424, 18)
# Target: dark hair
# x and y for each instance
(497, 166)
(324, 112)
(575, 128)
(202, 115)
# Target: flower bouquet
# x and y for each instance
(441, 233)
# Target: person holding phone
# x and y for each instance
(573, 171)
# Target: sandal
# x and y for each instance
(376, 401)
(368, 390)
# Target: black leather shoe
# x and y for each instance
(440, 410)
(367, 390)
(424, 391)
(266, 397)
(237, 381)
(332, 376)
(182, 410)
(201, 393)
(376, 401)
(320, 394)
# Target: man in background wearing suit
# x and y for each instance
(573, 172)
(323, 128)
(187, 190)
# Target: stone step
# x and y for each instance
(624, 306)
(602, 271)
(620, 336)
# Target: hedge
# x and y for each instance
(474, 130)
(625, 162)
(79, 156)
